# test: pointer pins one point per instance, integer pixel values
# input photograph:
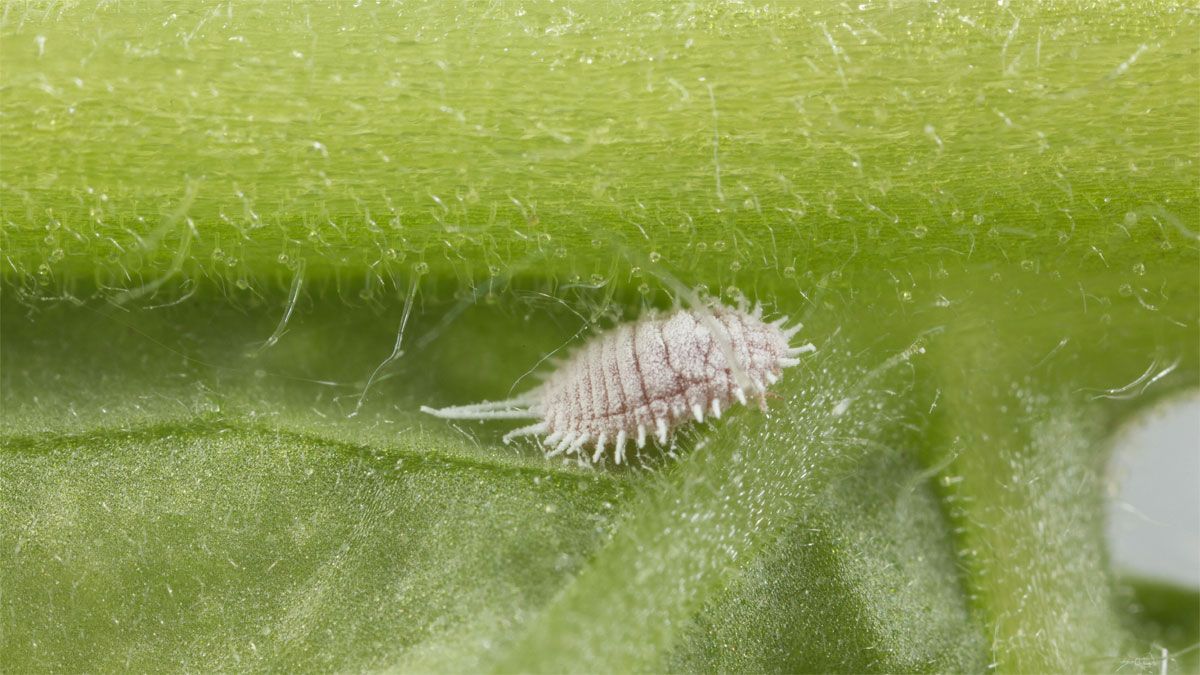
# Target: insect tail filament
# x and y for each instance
(521, 407)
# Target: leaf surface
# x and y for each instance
(218, 220)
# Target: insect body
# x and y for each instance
(650, 376)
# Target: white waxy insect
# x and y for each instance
(648, 377)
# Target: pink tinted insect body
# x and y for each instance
(648, 377)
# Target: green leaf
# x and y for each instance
(213, 546)
(219, 220)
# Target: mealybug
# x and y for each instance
(657, 373)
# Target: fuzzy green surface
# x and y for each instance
(785, 136)
(213, 215)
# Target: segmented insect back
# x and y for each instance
(650, 376)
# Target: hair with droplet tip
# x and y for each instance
(658, 373)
